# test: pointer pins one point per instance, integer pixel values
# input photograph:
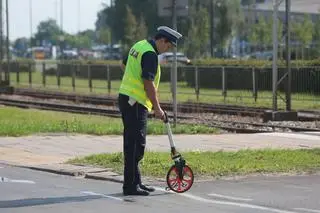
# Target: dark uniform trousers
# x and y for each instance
(134, 140)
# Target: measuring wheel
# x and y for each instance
(180, 176)
(180, 180)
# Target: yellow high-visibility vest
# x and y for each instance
(132, 82)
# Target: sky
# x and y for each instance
(19, 15)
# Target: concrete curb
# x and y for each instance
(106, 176)
(116, 179)
(75, 171)
(55, 171)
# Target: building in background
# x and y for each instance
(299, 8)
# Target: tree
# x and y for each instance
(253, 35)
(224, 25)
(200, 30)
(104, 36)
(316, 34)
(89, 33)
(141, 31)
(303, 32)
(130, 27)
(226, 16)
(238, 21)
(109, 17)
(261, 33)
(47, 30)
(21, 45)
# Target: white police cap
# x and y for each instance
(169, 33)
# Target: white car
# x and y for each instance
(167, 57)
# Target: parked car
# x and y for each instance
(167, 57)
(267, 55)
(68, 55)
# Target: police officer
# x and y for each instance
(137, 97)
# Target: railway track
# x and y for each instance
(251, 127)
(304, 115)
(112, 101)
(231, 126)
(65, 107)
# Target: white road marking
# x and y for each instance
(102, 195)
(22, 181)
(293, 135)
(308, 210)
(297, 187)
(230, 197)
(7, 180)
(229, 203)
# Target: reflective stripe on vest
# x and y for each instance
(132, 82)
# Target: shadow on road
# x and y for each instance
(45, 201)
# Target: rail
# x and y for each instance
(233, 126)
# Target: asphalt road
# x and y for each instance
(28, 191)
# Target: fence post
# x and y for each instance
(58, 75)
(44, 74)
(30, 74)
(89, 77)
(1, 68)
(18, 73)
(7, 72)
(109, 79)
(254, 84)
(76, 66)
(197, 82)
(224, 91)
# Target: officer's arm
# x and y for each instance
(123, 63)
(152, 93)
(149, 64)
(122, 66)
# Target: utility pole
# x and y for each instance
(1, 39)
(288, 55)
(211, 27)
(174, 67)
(173, 9)
(61, 15)
(79, 11)
(61, 26)
(30, 20)
(275, 55)
(56, 10)
(292, 115)
(7, 76)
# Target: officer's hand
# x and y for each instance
(159, 113)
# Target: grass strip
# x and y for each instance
(20, 122)
(217, 164)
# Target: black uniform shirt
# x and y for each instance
(149, 62)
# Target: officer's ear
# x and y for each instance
(163, 40)
(167, 40)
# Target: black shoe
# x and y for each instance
(136, 192)
(147, 188)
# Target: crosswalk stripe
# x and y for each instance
(229, 197)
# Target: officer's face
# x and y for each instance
(165, 46)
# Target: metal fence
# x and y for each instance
(246, 86)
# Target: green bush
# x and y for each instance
(16, 66)
(305, 79)
(254, 63)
